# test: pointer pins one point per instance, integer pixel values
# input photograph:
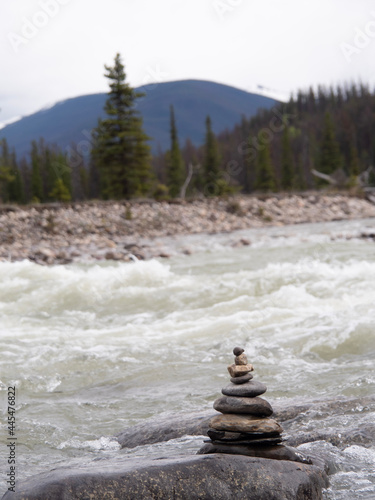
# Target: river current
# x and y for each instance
(94, 348)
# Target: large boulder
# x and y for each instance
(217, 476)
(165, 427)
(172, 426)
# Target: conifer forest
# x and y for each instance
(320, 137)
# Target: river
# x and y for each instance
(95, 348)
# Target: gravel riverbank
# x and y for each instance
(123, 231)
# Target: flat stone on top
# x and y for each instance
(251, 406)
(248, 390)
(245, 423)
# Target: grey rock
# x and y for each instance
(250, 389)
(251, 406)
(238, 436)
(219, 477)
(277, 452)
(362, 436)
(268, 441)
(241, 380)
(290, 412)
(166, 427)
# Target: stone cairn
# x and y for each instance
(244, 426)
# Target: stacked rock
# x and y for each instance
(244, 426)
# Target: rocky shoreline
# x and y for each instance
(126, 231)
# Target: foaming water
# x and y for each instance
(94, 349)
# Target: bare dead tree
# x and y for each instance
(325, 177)
(187, 181)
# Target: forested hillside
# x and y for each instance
(329, 131)
(71, 121)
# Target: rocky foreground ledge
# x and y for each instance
(60, 234)
(216, 477)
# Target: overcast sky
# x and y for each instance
(55, 49)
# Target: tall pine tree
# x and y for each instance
(174, 161)
(15, 188)
(330, 158)
(211, 159)
(287, 162)
(120, 148)
(264, 170)
(36, 178)
(7, 176)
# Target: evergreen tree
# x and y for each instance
(120, 150)
(95, 182)
(371, 177)
(84, 183)
(353, 161)
(50, 168)
(174, 161)
(62, 171)
(60, 192)
(287, 162)
(7, 176)
(36, 178)
(311, 101)
(299, 182)
(25, 173)
(142, 162)
(15, 188)
(211, 158)
(265, 175)
(330, 158)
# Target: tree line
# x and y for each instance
(293, 146)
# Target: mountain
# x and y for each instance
(71, 120)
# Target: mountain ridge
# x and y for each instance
(70, 120)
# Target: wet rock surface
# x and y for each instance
(217, 476)
(255, 406)
(241, 379)
(249, 389)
